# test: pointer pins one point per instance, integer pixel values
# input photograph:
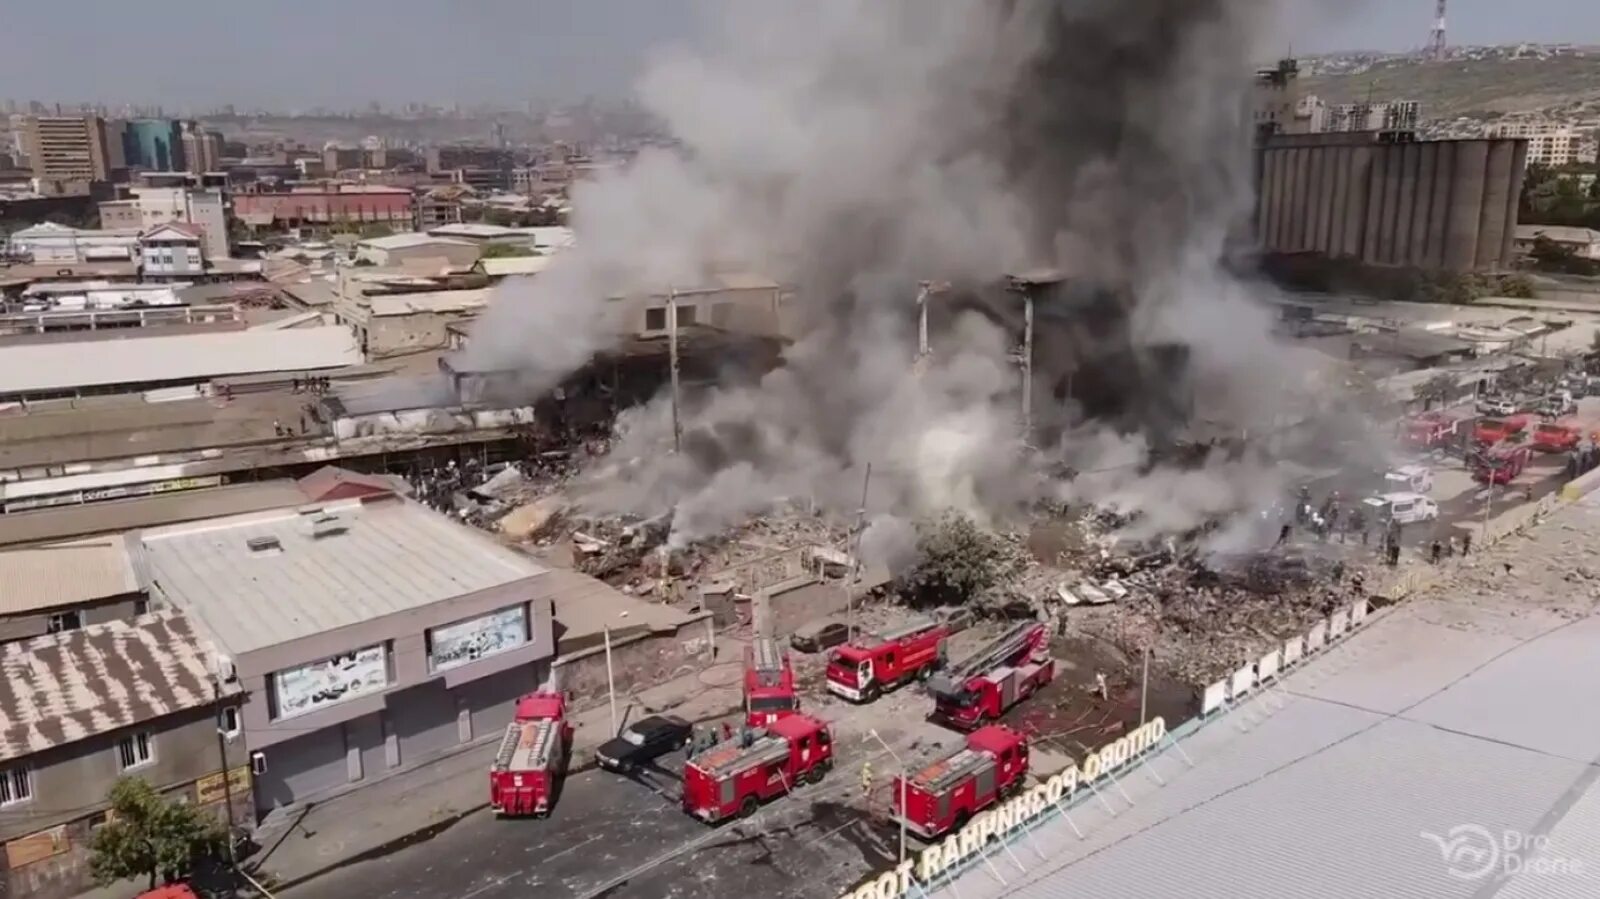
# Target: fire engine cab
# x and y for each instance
(768, 684)
(862, 670)
(943, 796)
(532, 755)
(995, 678)
(733, 778)
(1500, 464)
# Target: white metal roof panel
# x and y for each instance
(28, 368)
(65, 574)
(393, 555)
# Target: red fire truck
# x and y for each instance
(533, 754)
(944, 795)
(1500, 465)
(1557, 436)
(862, 670)
(1427, 430)
(734, 777)
(768, 683)
(995, 678)
(1489, 431)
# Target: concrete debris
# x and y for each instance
(535, 519)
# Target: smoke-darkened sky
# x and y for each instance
(302, 53)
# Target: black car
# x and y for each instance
(642, 742)
(819, 637)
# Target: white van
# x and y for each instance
(1409, 479)
(1403, 508)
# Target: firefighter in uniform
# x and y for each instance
(866, 779)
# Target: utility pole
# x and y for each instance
(852, 553)
(672, 353)
(1144, 687)
(611, 684)
(227, 773)
(924, 292)
(1436, 41)
(1027, 366)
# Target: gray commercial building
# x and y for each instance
(370, 634)
(1447, 205)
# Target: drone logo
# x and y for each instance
(1470, 852)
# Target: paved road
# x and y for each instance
(604, 826)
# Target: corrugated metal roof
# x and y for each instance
(64, 574)
(51, 367)
(503, 266)
(44, 525)
(435, 301)
(392, 555)
(412, 239)
(70, 686)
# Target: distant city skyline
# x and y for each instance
(299, 54)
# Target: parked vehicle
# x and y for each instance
(943, 796)
(863, 670)
(1557, 436)
(1402, 508)
(1409, 479)
(642, 742)
(955, 618)
(819, 637)
(768, 683)
(1489, 431)
(1429, 430)
(532, 757)
(1497, 405)
(1500, 465)
(1558, 404)
(733, 778)
(998, 676)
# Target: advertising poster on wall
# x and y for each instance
(452, 645)
(323, 683)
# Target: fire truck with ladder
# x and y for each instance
(861, 670)
(945, 795)
(768, 683)
(734, 777)
(1006, 671)
(532, 755)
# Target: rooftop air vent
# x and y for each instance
(327, 526)
(264, 544)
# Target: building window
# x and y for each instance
(65, 621)
(686, 315)
(136, 750)
(721, 314)
(655, 318)
(141, 606)
(16, 785)
(228, 722)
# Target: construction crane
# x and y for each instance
(1436, 43)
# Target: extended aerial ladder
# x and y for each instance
(1002, 673)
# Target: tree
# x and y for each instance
(506, 251)
(957, 560)
(148, 835)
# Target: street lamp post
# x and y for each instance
(903, 775)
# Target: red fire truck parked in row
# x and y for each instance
(1500, 465)
(533, 754)
(1427, 430)
(732, 778)
(944, 795)
(862, 670)
(1557, 436)
(994, 678)
(1489, 431)
(768, 683)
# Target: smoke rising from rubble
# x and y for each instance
(852, 148)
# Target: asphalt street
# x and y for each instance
(606, 826)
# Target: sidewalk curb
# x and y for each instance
(440, 825)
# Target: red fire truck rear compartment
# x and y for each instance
(863, 670)
(1003, 673)
(944, 795)
(531, 757)
(732, 779)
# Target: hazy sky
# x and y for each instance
(302, 53)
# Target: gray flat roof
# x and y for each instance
(1470, 712)
(65, 522)
(393, 555)
(53, 367)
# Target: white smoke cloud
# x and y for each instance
(852, 148)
